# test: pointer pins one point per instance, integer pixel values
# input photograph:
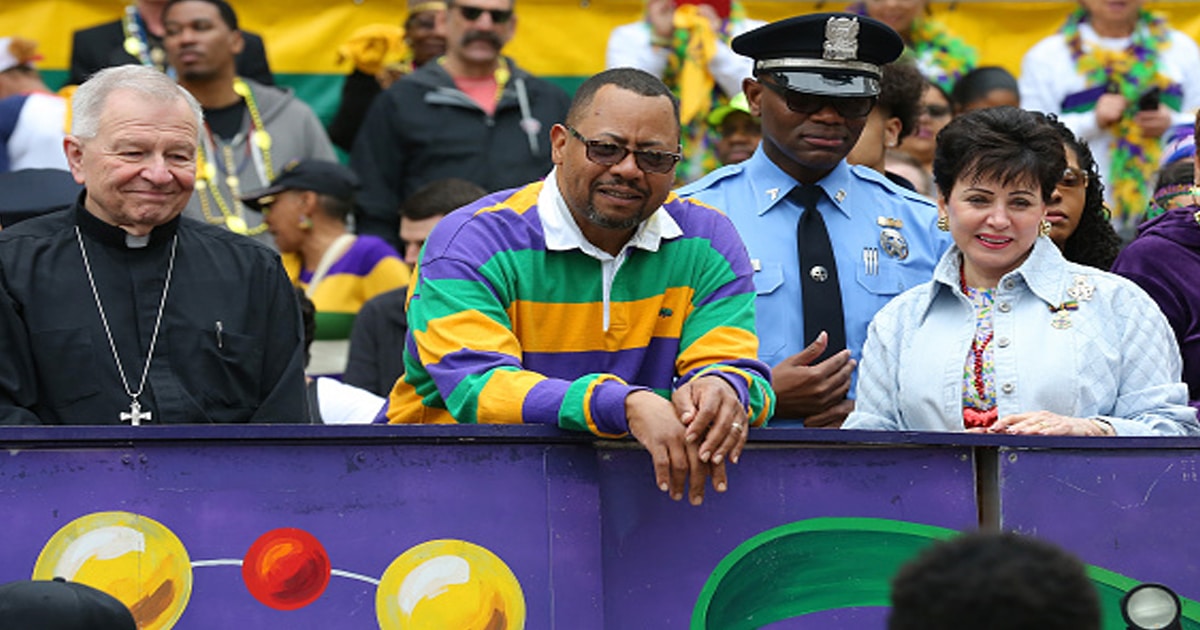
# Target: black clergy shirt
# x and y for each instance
(229, 348)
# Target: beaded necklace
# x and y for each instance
(501, 74)
(696, 139)
(979, 388)
(1131, 72)
(137, 42)
(232, 213)
(941, 56)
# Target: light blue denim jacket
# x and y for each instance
(1118, 360)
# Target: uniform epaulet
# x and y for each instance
(868, 174)
(710, 179)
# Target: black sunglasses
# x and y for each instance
(609, 154)
(470, 14)
(808, 104)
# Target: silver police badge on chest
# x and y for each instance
(891, 241)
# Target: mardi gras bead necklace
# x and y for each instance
(979, 394)
(137, 42)
(1131, 72)
(944, 57)
(232, 213)
(941, 57)
(696, 138)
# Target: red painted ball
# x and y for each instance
(286, 569)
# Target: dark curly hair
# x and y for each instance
(994, 582)
(1010, 144)
(900, 87)
(1094, 242)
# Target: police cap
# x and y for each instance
(827, 54)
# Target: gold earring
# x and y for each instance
(943, 223)
(1044, 228)
(305, 223)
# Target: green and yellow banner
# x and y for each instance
(562, 40)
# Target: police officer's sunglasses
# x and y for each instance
(808, 104)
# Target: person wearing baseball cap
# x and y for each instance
(33, 120)
(738, 131)
(305, 209)
(830, 243)
(60, 605)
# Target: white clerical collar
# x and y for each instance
(562, 233)
(136, 242)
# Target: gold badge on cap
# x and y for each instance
(841, 39)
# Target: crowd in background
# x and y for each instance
(434, 115)
(834, 220)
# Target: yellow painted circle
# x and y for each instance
(131, 557)
(449, 584)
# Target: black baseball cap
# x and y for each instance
(320, 176)
(60, 605)
(826, 54)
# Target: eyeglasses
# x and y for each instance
(808, 104)
(609, 154)
(1073, 177)
(934, 111)
(470, 14)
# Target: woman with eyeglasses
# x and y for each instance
(934, 112)
(1009, 336)
(939, 54)
(1079, 221)
(1164, 260)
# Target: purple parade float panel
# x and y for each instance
(1133, 511)
(529, 527)
(657, 551)
(531, 505)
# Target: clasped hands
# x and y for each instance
(690, 437)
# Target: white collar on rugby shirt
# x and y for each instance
(563, 234)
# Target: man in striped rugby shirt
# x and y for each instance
(595, 300)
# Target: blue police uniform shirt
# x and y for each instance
(860, 207)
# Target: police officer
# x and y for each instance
(820, 275)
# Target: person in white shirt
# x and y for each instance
(1120, 78)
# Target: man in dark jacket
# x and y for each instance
(137, 38)
(473, 114)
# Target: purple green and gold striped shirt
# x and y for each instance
(503, 329)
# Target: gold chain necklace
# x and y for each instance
(232, 213)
